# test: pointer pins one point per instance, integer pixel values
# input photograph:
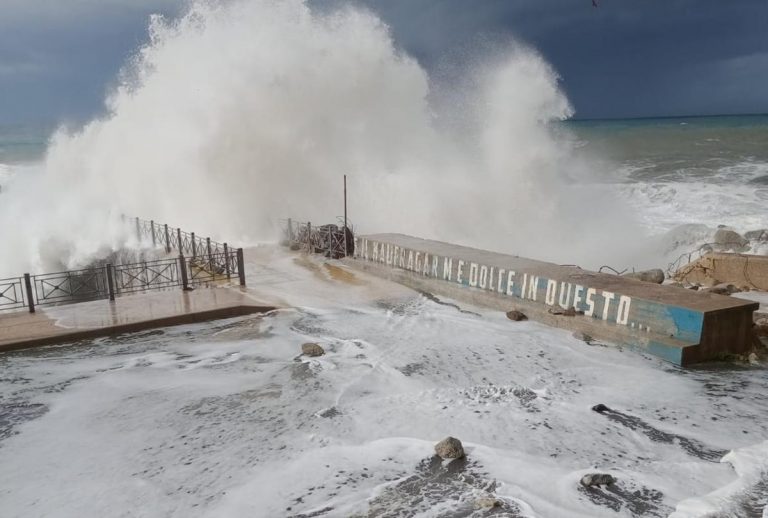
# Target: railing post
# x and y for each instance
(330, 243)
(178, 241)
(290, 232)
(210, 257)
(183, 269)
(110, 281)
(194, 246)
(241, 266)
(226, 262)
(152, 225)
(138, 229)
(309, 237)
(30, 299)
(167, 240)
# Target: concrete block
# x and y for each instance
(680, 326)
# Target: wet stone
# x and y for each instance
(312, 349)
(450, 448)
(516, 316)
(597, 479)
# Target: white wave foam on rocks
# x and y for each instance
(241, 113)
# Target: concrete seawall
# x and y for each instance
(678, 325)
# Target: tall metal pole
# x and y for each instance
(345, 206)
(345, 215)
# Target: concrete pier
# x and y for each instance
(678, 325)
(149, 310)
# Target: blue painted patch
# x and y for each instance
(666, 352)
(689, 323)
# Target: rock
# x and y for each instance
(722, 289)
(761, 327)
(656, 276)
(450, 448)
(311, 349)
(584, 337)
(516, 316)
(487, 502)
(597, 479)
(760, 235)
(295, 246)
(600, 408)
(726, 238)
(753, 359)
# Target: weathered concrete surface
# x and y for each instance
(742, 270)
(681, 326)
(85, 320)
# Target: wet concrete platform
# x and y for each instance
(681, 326)
(138, 312)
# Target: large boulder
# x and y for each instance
(450, 448)
(656, 276)
(312, 349)
(727, 239)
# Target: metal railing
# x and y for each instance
(12, 294)
(200, 262)
(169, 238)
(334, 241)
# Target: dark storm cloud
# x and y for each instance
(58, 58)
(624, 58)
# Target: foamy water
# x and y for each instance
(224, 419)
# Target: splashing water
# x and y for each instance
(239, 114)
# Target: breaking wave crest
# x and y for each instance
(241, 113)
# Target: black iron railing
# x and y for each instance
(334, 241)
(200, 262)
(12, 293)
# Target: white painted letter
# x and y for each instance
(510, 282)
(608, 296)
(483, 281)
(622, 315)
(590, 302)
(577, 291)
(459, 271)
(447, 268)
(549, 298)
(473, 274)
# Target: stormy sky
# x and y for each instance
(624, 58)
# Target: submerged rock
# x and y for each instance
(584, 337)
(597, 479)
(450, 448)
(600, 408)
(487, 502)
(516, 316)
(655, 276)
(312, 349)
